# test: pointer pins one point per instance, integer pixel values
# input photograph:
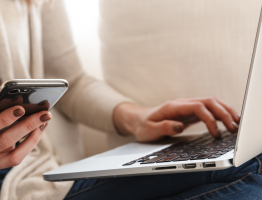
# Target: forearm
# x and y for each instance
(91, 102)
(127, 117)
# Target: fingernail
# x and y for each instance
(239, 117)
(45, 118)
(235, 125)
(18, 112)
(43, 126)
(178, 128)
(218, 133)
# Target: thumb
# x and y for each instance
(169, 127)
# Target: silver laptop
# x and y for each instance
(199, 154)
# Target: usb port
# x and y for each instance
(209, 164)
(189, 166)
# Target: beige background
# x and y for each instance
(84, 19)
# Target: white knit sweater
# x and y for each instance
(159, 50)
(36, 42)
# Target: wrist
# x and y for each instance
(127, 118)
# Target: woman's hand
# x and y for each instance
(150, 124)
(34, 124)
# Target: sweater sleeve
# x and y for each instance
(88, 100)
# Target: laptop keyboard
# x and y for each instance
(204, 147)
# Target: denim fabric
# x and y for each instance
(3, 173)
(244, 182)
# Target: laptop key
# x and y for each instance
(153, 160)
(219, 153)
(200, 151)
(217, 149)
(230, 149)
(134, 161)
(129, 163)
(202, 156)
(182, 159)
(168, 159)
(173, 156)
(214, 156)
(224, 151)
(213, 152)
(143, 160)
(192, 154)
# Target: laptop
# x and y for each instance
(201, 153)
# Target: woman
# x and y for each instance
(35, 42)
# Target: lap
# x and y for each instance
(247, 187)
(200, 185)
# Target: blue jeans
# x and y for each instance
(244, 182)
(3, 173)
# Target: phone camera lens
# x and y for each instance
(15, 91)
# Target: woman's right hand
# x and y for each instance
(34, 124)
(172, 117)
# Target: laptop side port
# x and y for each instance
(163, 168)
(189, 166)
(209, 164)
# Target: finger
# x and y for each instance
(232, 111)
(10, 115)
(221, 113)
(168, 128)
(33, 108)
(16, 156)
(10, 136)
(200, 111)
(190, 120)
(9, 149)
(14, 101)
(17, 100)
(45, 104)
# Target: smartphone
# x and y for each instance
(34, 95)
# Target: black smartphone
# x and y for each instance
(34, 95)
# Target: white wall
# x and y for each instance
(84, 18)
